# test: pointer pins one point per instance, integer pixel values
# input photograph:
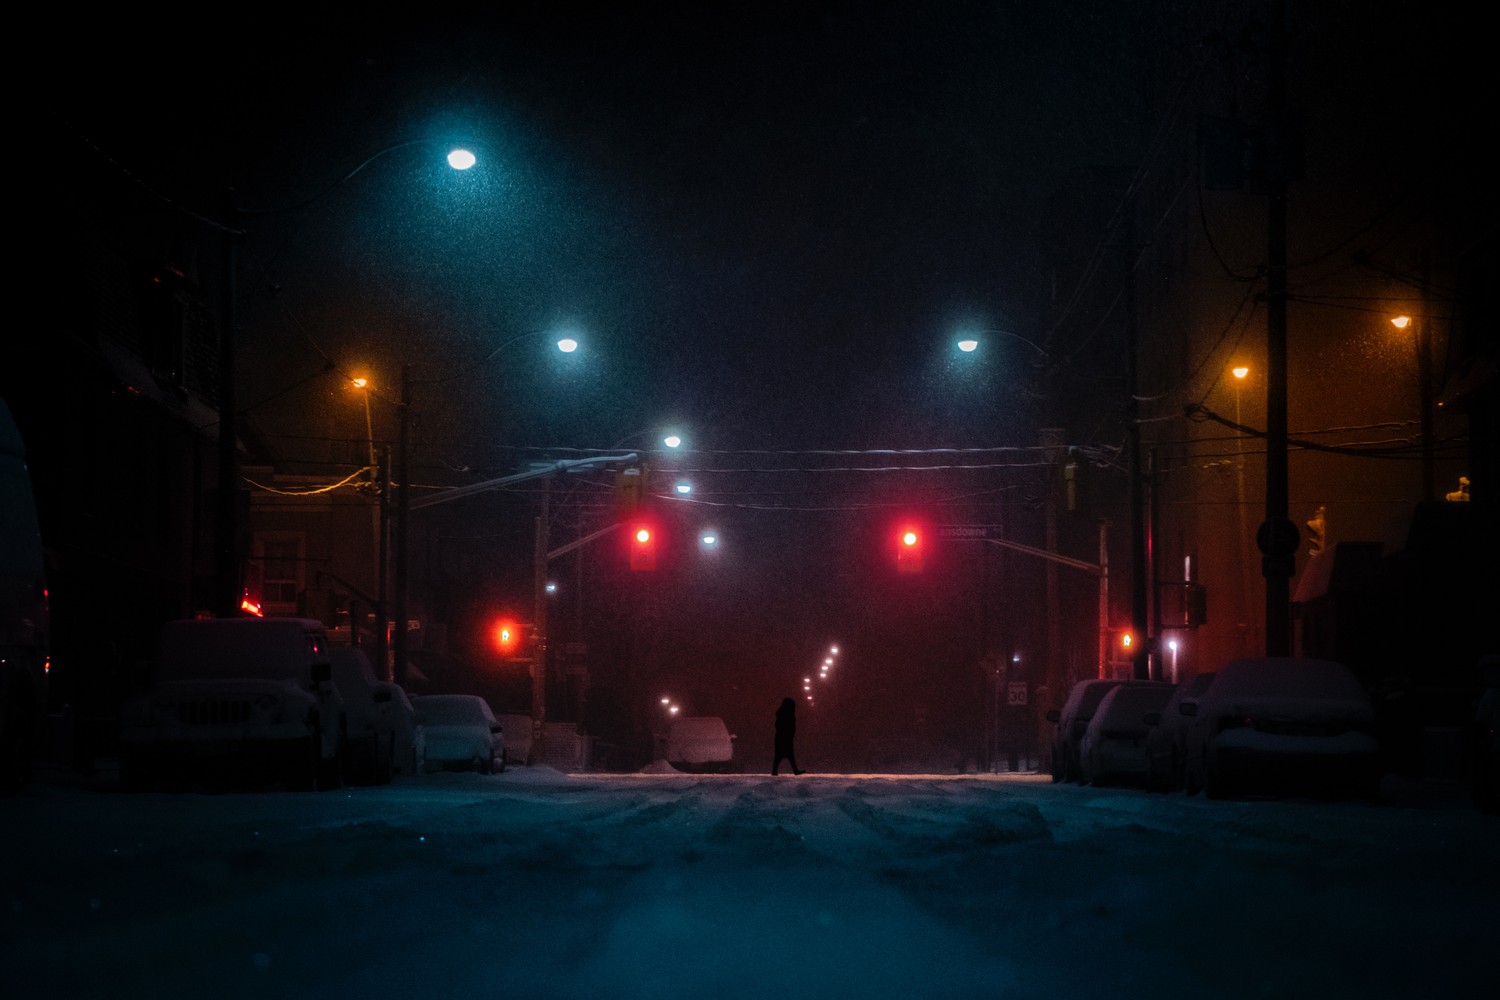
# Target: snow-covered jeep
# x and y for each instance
(237, 694)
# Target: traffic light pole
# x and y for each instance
(539, 640)
(1099, 569)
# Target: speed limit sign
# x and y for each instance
(1015, 693)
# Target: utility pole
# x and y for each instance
(1425, 388)
(1278, 536)
(225, 600)
(1139, 607)
(382, 570)
(403, 516)
(539, 640)
(1052, 441)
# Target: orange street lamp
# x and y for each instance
(1404, 322)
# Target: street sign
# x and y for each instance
(961, 532)
(1015, 693)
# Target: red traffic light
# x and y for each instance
(642, 547)
(507, 637)
(909, 551)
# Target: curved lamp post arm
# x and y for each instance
(453, 161)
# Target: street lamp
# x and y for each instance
(226, 597)
(363, 384)
(1240, 373)
(969, 341)
(669, 439)
(566, 345)
(1424, 395)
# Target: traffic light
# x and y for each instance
(509, 638)
(630, 487)
(909, 551)
(642, 547)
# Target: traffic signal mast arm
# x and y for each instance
(459, 492)
(581, 542)
(1094, 568)
(1099, 569)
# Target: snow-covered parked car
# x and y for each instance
(373, 728)
(459, 732)
(1165, 734)
(1113, 747)
(518, 736)
(1282, 724)
(701, 743)
(1073, 721)
(253, 694)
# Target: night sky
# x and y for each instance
(764, 222)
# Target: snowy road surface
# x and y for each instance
(533, 884)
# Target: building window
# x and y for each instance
(281, 566)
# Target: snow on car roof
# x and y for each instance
(452, 708)
(1302, 676)
(1129, 702)
(194, 649)
(1288, 686)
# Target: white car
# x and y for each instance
(1282, 723)
(1113, 747)
(701, 743)
(459, 733)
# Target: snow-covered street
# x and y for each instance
(537, 884)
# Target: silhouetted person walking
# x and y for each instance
(786, 732)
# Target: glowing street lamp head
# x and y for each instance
(461, 159)
(968, 345)
(567, 345)
(672, 440)
(1401, 322)
(1240, 371)
(360, 383)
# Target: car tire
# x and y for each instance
(385, 769)
(18, 736)
(1191, 783)
(330, 771)
(302, 770)
(1216, 783)
(136, 771)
